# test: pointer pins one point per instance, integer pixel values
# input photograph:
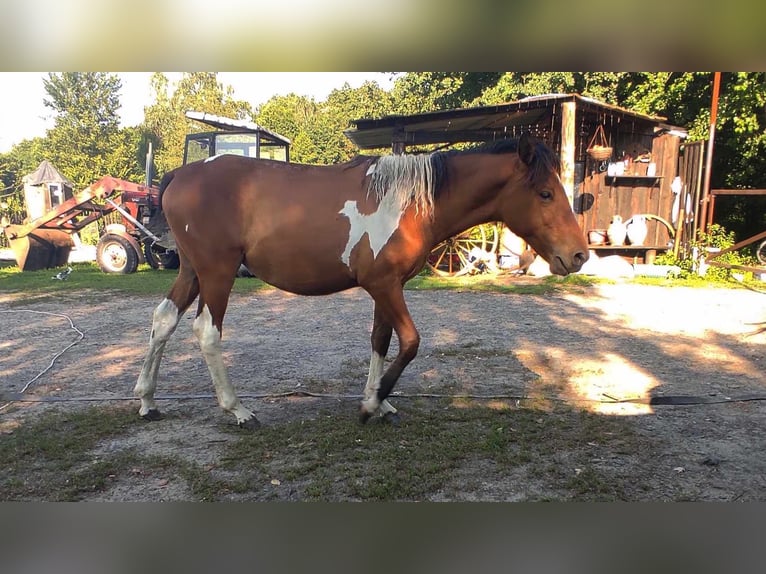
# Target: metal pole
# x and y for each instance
(132, 219)
(709, 154)
(148, 172)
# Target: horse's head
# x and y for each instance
(535, 207)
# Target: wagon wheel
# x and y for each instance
(760, 253)
(450, 257)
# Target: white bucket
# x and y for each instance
(508, 261)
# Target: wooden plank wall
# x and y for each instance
(597, 201)
(691, 165)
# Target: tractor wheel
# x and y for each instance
(115, 254)
(161, 259)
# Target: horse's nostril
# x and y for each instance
(580, 258)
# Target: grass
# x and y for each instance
(333, 458)
(698, 283)
(437, 451)
(498, 284)
(36, 285)
(51, 458)
(145, 281)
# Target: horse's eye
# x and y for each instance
(546, 194)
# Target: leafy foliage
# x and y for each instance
(86, 141)
(717, 238)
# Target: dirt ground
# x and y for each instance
(590, 346)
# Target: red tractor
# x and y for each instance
(138, 233)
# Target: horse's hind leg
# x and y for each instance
(207, 327)
(164, 322)
(380, 340)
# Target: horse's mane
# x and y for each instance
(418, 178)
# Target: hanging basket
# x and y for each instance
(599, 148)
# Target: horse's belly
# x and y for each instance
(304, 277)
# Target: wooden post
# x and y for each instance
(397, 141)
(709, 154)
(568, 110)
(679, 231)
(711, 210)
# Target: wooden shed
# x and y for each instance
(647, 147)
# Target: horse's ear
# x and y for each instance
(526, 148)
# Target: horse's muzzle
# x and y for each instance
(572, 264)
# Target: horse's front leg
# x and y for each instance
(380, 341)
(391, 313)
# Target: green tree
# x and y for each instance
(344, 105)
(86, 142)
(513, 86)
(417, 92)
(293, 117)
(316, 129)
(20, 160)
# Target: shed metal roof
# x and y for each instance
(479, 124)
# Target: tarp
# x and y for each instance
(46, 173)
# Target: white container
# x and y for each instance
(651, 170)
(637, 230)
(616, 231)
(509, 261)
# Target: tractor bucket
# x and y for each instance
(40, 249)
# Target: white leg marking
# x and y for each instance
(370, 402)
(164, 322)
(379, 226)
(210, 342)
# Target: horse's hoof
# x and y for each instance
(364, 416)
(152, 415)
(250, 424)
(392, 418)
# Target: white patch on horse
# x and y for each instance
(373, 384)
(210, 342)
(164, 322)
(214, 157)
(379, 225)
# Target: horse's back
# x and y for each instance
(230, 178)
(283, 219)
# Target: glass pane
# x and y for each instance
(198, 149)
(276, 152)
(237, 144)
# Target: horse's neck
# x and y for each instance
(471, 195)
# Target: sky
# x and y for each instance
(23, 115)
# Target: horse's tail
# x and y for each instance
(164, 183)
(157, 222)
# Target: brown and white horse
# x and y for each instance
(369, 223)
